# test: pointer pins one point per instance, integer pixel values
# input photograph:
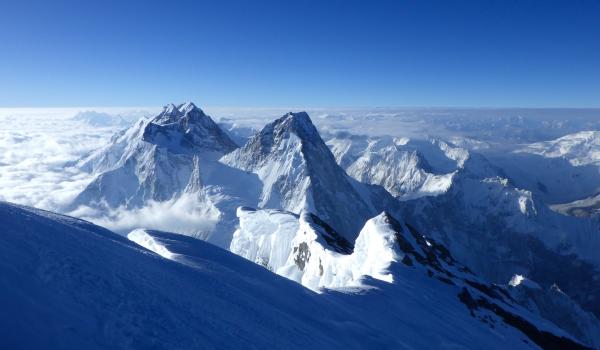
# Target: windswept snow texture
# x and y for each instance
(387, 255)
(69, 284)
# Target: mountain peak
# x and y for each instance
(297, 122)
(172, 113)
(300, 173)
(170, 109)
(186, 128)
(298, 116)
(188, 107)
(275, 140)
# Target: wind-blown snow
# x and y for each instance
(69, 284)
(388, 295)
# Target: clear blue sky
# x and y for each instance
(300, 53)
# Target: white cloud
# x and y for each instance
(185, 215)
(37, 150)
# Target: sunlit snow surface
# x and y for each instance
(67, 284)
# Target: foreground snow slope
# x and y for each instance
(316, 257)
(68, 284)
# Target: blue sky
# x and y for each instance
(300, 53)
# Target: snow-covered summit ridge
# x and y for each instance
(183, 129)
(312, 253)
(293, 131)
(187, 129)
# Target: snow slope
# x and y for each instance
(415, 303)
(68, 284)
(388, 255)
(489, 224)
(553, 304)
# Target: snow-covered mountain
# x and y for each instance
(552, 180)
(69, 284)
(580, 148)
(99, 119)
(180, 130)
(499, 230)
(564, 172)
(170, 158)
(267, 236)
(586, 207)
(553, 304)
(489, 224)
(305, 249)
(299, 173)
(182, 155)
(558, 171)
(405, 167)
(393, 277)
